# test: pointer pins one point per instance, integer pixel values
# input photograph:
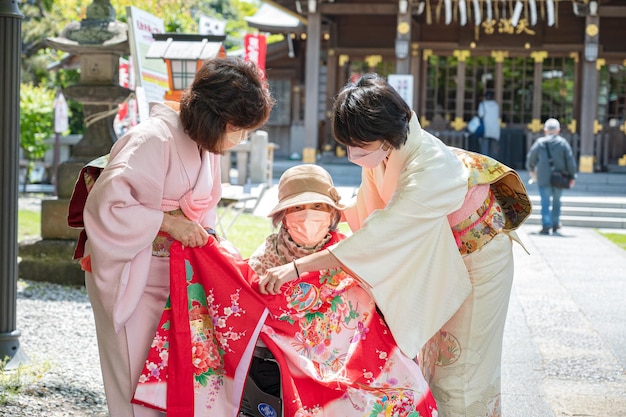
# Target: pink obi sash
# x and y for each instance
(476, 230)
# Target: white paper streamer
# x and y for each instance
(462, 13)
(503, 15)
(448, 11)
(420, 8)
(550, 12)
(517, 12)
(477, 17)
(489, 11)
(532, 6)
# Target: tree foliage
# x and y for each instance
(48, 18)
(36, 119)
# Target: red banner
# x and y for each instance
(255, 47)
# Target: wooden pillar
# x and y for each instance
(312, 83)
(331, 92)
(421, 98)
(499, 57)
(588, 107)
(403, 38)
(416, 72)
(537, 124)
(462, 56)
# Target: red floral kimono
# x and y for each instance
(337, 356)
(200, 355)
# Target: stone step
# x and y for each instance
(584, 221)
(585, 211)
(598, 202)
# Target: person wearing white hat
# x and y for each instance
(336, 354)
(550, 153)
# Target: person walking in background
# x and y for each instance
(548, 153)
(432, 242)
(162, 183)
(489, 112)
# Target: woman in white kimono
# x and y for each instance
(161, 183)
(432, 243)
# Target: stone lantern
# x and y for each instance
(99, 41)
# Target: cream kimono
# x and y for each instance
(406, 204)
(404, 249)
(154, 168)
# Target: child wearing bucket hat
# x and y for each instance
(324, 326)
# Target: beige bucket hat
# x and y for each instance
(306, 183)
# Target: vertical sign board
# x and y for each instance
(150, 74)
(403, 84)
(255, 48)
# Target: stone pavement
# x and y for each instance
(565, 337)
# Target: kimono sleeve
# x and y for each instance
(407, 255)
(122, 217)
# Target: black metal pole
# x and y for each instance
(10, 58)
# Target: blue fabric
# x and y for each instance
(550, 218)
(487, 146)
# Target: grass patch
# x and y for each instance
(28, 224)
(618, 238)
(14, 381)
(248, 232)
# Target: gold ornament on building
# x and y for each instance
(592, 30)
(403, 28)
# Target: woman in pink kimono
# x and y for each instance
(432, 227)
(337, 356)
(161, 183)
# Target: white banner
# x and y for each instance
(150, 74)
(403, 84)
(61, 113)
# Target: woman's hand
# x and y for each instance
(275, 277)
(188, 233)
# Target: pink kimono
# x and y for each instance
(156, 167)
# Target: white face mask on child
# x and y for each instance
(307, 227)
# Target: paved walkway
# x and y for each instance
(565, 336)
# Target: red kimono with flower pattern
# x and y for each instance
(337, 356)
(199, 359)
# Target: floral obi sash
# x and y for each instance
(163, 241)
(480, 227)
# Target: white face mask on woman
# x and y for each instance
(234, 138)
(365, 158)
(307, 227)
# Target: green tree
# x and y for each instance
(48, 18)
(36, 122)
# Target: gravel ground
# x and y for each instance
(62, 376)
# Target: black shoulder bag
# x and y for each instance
(558, 179)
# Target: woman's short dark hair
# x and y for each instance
(224, 91)
(369, 110)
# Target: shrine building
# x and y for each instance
(541, 58)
